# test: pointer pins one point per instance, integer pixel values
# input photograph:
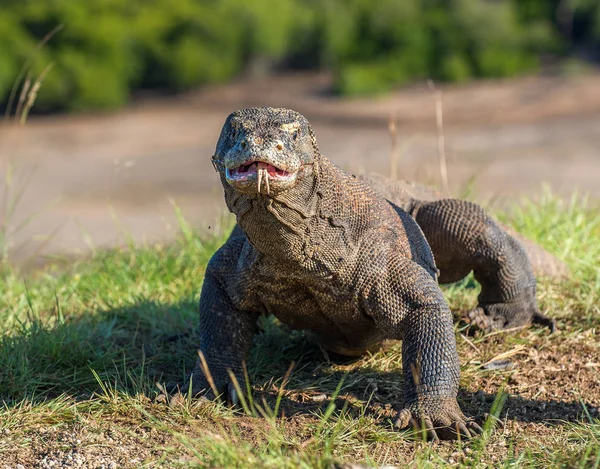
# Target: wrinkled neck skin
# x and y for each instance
(279, 225)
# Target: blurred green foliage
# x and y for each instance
(109, 48)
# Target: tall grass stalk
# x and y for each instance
(11, 192)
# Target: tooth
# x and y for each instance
(267, 181)
(259, 179)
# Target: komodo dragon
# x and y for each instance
(321, 250)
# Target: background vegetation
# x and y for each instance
(110, 48)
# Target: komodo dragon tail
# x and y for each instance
(543, 263)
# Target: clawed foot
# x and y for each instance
(199, 389)
(446, 421)
(179, 396)
(199, 386)
(506, 316)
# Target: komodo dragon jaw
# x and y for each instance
(258, 157)
(253, 175)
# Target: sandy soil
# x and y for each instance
(92, 179)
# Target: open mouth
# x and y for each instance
(256, 166)
(258, 172)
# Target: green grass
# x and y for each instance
(86, 347)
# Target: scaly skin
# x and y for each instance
(464, 238)
(407, 194)
(320, 250)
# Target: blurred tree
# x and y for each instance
(183, 43)
(93, 64)
(450, 40)
(16, 46)
(109, 48)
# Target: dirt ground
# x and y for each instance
(553, 386)
(94, 179)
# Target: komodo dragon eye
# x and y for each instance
(292, 128)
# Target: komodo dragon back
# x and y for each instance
(405, 194)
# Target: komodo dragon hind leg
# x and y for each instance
(464, 238)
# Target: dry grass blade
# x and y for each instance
(32, 95)
(441, 142)
(287, 375)
(207, 373)
(24, 71)
(470, 343)
(505, 331)
(504, 355)
(439, 118)
(23, 97)
(259, 179)
(266, 176)
(26, 100)
(393, 129)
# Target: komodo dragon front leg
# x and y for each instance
(226, 335)
(408, 304)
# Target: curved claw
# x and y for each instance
(458, 430)
(403, 419)
(495, 420)
(474, 427)
(176, 399)
(446, 427)
(462, 429)
(232, 396)
(479, 319)
(424, 429)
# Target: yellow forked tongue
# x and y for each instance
(263, 173)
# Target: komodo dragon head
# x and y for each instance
(265, 151)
